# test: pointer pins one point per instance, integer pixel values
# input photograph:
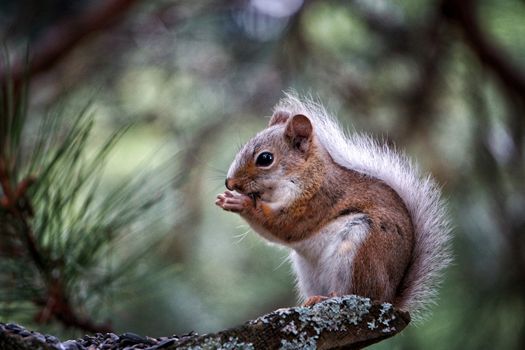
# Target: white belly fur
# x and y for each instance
(323, 263)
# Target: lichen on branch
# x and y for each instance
(352, 322)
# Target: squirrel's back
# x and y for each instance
(421, 196)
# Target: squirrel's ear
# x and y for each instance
(299, 129)
(279, 117)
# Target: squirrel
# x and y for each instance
(358, 216)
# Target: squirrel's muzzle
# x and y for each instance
(231, 184)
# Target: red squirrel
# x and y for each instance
(357, 215)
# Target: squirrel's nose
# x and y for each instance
(233, 185)
(229, 184)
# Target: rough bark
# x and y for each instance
(349, 322)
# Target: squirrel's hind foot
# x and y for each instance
(316, 299)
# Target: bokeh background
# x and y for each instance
(442, 80)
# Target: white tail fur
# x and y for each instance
(421, 195)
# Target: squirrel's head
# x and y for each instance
(271, 162)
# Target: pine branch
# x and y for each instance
(349, 322)
(56, 304)
(56, 227)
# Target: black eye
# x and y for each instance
(264, 159)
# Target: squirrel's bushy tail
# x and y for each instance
(422, 197)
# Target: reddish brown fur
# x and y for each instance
(327, 191)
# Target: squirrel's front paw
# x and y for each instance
(233, 201)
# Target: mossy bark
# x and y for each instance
(349, 322)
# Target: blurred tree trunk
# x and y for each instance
(61, 39)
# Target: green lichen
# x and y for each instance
(306, 324)
(281, 314)
(303, 341)
(386, 316)
(290, 328)
(330, 315)
(334, 313)
(233, 343)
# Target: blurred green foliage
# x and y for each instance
(197, 80)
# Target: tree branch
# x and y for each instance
(464, 14)
(349, 322)
(59, 40)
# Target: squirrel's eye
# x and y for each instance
(264, 159)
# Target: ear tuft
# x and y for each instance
(279, 117)
(299, 129)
